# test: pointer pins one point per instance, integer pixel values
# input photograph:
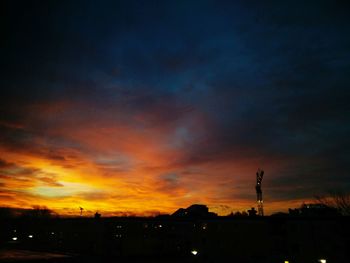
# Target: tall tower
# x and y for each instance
(259, 198)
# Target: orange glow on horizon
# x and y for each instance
(119, 169)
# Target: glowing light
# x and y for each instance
(194, 252)
(14, 238)
(322, 261)
(67, 189)
(286, 261)
(30, 236)
(52, 233)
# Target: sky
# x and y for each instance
(143, 107)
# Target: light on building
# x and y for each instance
(14, 238)
(194, 252)
(30, 236)
(322, 261)
(286, 261)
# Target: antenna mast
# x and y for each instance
(259, 198)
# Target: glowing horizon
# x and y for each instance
(65, 186)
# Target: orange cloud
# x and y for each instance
(123, 166)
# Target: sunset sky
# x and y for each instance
(142, 107)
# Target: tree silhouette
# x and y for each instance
(38, 212)
(337, 200)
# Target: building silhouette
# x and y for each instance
(195, 210)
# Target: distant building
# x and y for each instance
(196, 210)
(252, 212)
(180, 212)
(314, 210)
(97, 215)
(318, 210)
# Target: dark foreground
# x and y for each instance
(29, 256)
(219, 239)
